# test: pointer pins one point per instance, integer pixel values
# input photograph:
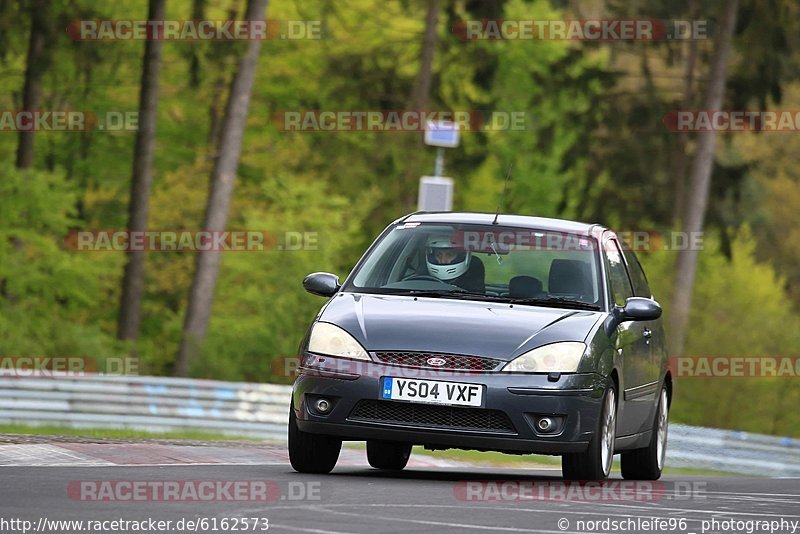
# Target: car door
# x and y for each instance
(632, 345)
(653, 330)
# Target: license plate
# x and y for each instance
(432, 391)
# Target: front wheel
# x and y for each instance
(388, 454)
(647, 463)
(595, 462)
(311, 453)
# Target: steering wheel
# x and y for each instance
(422, 277)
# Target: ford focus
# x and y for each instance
(486, 332)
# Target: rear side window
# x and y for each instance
(640, 285)
(617, 274)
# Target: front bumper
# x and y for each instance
(575, 399)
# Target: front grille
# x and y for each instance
(432, 416)
(452, 362)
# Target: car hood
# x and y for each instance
(488, 329)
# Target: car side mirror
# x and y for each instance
(322, 284)
(635, 309)
(640, 309)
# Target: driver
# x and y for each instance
(446, 260)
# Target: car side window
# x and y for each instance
(621, 288)
(640, 286)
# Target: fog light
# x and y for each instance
(545, 424)
(322, 405)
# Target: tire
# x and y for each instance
(388, 454)
(595, 462)
(311, 453)
(647, 463)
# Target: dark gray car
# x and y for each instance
(474, 331)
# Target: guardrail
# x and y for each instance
(733, 451)
(161, 404)
(150, 403)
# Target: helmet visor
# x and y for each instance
(446, 255)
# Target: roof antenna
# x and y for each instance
(503, 198)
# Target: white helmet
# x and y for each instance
(445, 259)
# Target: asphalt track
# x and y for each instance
(42, 480)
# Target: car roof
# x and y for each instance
(520, 221)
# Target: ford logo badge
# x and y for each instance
(436, 362)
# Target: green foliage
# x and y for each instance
(53, 301)
(739, 309)
(261, 308)
(558, 88)
(593, 147)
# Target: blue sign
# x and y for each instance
(441, 133)
(387, 387)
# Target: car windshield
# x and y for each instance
(483, 262)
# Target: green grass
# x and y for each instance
(497, 459)
(494, 458)
(536, 461)
(700, 472)
(119, 433)
(491, 458)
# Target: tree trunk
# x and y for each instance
(419, 100)
(679, 157)
(33, 77)
(222, 181)
(198, 13)
(139, 203)
(700, 182)
(219, 63)
(421, 92)
(214, 123)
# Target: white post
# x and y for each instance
(439, 169)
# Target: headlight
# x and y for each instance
(330, 340)
(561, 357)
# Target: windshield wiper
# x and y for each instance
(447, 293)
(557, 302)
(560, 302)
(416, 292)
(463, 293)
